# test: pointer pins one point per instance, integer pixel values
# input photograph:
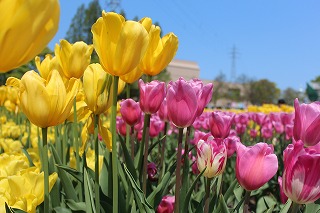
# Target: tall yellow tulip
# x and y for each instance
(47, 64)
(45, 102)
(73, 58)
(26, 28)
(160, 51)
(132, 76)
(120, 44)
(96, 87)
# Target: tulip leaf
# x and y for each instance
(224, 207)
(75, 206)
(128, 159)
(88, 193)
(65, 180)
(140, 199)
(185, 178)
(25, 152)
(60, 209)
(12, 210)
(190, 190)
(155, 144)
(312, 207)
(75, 173)
(152, 198)
(286, 207)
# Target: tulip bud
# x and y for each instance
(152, 172)
(255, 165)
(130, 111)
(220, 124)
(166, 205)
(306, 123)
(212, 155)
(151, 96)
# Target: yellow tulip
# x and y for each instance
(47, 65)
(12, 164)
(160, 51)
(3, 95)
(132, 76)
(24, 191)
(120, 44)
(45, 102)
(26, 29)
(73, 58)
(96, 87)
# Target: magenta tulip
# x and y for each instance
(220, 124)
(204, 94)
(163, 111)
(156, 126)
(130, 111)
(289, 131)
(166, 205)
(212, 155)
(283, 196)
(266, 132)
(301, 176)
(181, 103)
(152, 172)
(286, 118)
(255, 165)
(231, 144)
(242, 118)
(307, 122)
(151, 96)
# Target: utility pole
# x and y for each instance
(234, 54)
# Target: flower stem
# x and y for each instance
(75, 135)
(163, 147)
(45, 168)
(128, 127)
(207, 196)
(246, 202)
(145, 156)
(96, 163)
(178, 172)
(114, 145)
(295, 207)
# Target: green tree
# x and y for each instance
(289, 94)
(263, 91)
(76, 31)
(92, 13)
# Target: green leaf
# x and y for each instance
(60, 209)
(223, 204)
(28, 157)
(188, 195)
(230, 190)
(286, 207)
(140, 199)
(76, 206)
(155, 144)
(88, 193)
(75, 173)
(65, 180)
(265, 203)
(128, 159)
(12, 210)
(312, 208)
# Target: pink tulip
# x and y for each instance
(260, 118)
(253, 133)
(156, 126)
(289, 131)
(220, 124)
(255, 165)
(231, 144)
(301, 176)
(212, 155)
(199, 135)
(307, 122)
(121, 126)
(181, 103)
(163, 111)
(283, 196)
(204, 94)
(240, 128)
(166, 205)
(266, 132)
(151, 96)
(242, 118)
(130, 111)
(278, 126)
(152, 171)
(286, 118)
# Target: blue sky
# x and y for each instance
(276, 40)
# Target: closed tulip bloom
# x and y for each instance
(182, 103)
(73, 58)
(212, 155)
(130, 111)
(307, 122)
(163, 110)
(283, 196)
(3, 94)
(26, 29)
(120, 44)
(151, 95)
(301, 177)
(255, 165)
(203, 92)
(96, 86)
(166, 205)
(45, 102)
(220, 124)
(160, 51)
